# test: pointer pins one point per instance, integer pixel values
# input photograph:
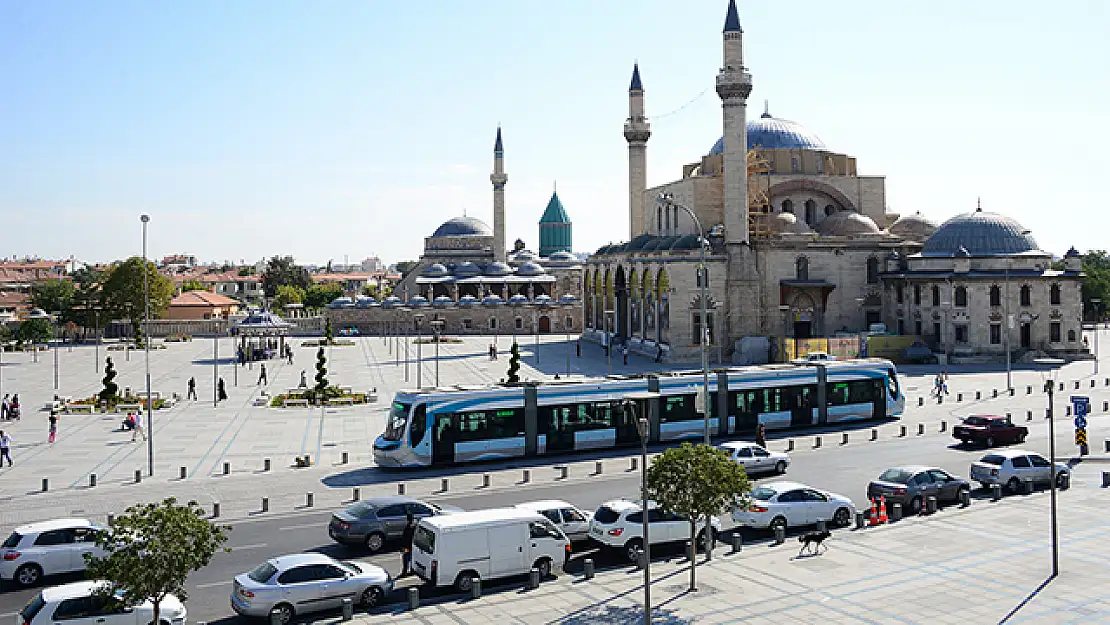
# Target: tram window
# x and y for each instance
(487, 424)
(679, 408)
(772, 400)
(838, 393)
(471, 426)
(860, 392)
(419, 425)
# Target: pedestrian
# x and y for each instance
(289, 352)
(53, 425)
(761, 435)
(944, 381)
(262, 374)
(659, 354)
(221, 391)
(5, 448)
(138, 429)
(13, 409)
(192, 394)
(304, 380)
(625, 354)
(406, 545)
(4, 408)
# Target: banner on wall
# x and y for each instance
(889, 347)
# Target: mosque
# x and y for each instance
(799, 244)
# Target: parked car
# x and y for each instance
(989, 430)
(919, 353)
(814, 357)
(372, 522)
(756, 459)
(79, 603)
(48, 548)
(790, 504)
(487, 544)
(618, 524)
(910, 486)
(569, 519)
(307, 582)
(1011, 466)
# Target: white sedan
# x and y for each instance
(790, 504)
(79, 603)
(756, 459)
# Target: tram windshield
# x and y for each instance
(395, 427)
(892, 383)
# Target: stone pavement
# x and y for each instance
(984, 564)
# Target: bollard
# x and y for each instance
(874, 434)
(475, 587)
(1061, 386)
(895, 512)
(527, 477)
(789, 445)
(1068, 414)
(401, 488)
(92, 480)
(965, 497)
(817, 442)
(920, 401)
(1012, 391)
(959, 397)
(1092, 383)
(1027, 487)
(1106, 406)
(215, 509)
(138, 475)
(1028, 415)
(111, 519)
(822, 526)
(45, 484)
(444, 485)
(737, 543)
(943, 426)
(533, 579)
(920, 429)
(1065, 480)
(780, 534)
(598, 466)
(901, 430)
(265, 504)
(308, 500)
(414, 597)
(356, 493)
(1028, 390)
(1106, 479)
(275, 618)
(994, 393)
(996, 492)
(978, 395)
(485, 480)
(1107, 443)
(562, 472)
(227, 468)
(348, 609)
(844, 438)
(345, 458)
(183, 472)
(265, 464)
(641, 560)
(633, 463)
(930, 504)
(588, 568)
(308, 460)
(860, 520)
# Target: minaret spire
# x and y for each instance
(498, 179)
(637, 131)
(732, 19)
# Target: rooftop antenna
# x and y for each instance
(979, 204)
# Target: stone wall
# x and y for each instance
(476, 320)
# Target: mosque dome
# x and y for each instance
(463, 227)
(914, 227)
(788, 223)
(363, 301)
(435, 270)
(524, 256)
(497, 269)
(847, 223)
(467, 270)
(341, 302)
(530, 269)
(979, 234)
(562, 258)
(772, 133)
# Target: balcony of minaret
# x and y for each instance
(498, 180)
(733, 84)
(637, 130)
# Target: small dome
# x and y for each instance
(524, 256)
(772, 133)
(562, 257)
(543, 300)
(363, 301)
(497, 269)
(788, 223)
(847, 223)
(467, 270)
(530, 269)
(914, 227)
(341, 302)
(435, 270)
(467, 301)
(442, 301)
(492, 300)
(463, 227)
(981, 234)
(688, 242)
(391, 302)
(418, 301)
(639, 242)
(518, 300)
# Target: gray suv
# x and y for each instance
(375, 521)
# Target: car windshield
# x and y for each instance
(977, 421)
(262, 573)
(32, 608)
(898, 476)
(350, 567)
(605, 514)
(994, 459)
(360, 510)
(395, 427)
(13, 540)
(763, 493)
(424, 539)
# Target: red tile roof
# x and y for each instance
(203, 298)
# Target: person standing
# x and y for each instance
(625, 353)
(406, 545)
(221, 391)
(262, 375)
(304, 380)
(53, 425)
(192, 394)
(761, 435)
(5, 448)
(4, 408)
(138, 429)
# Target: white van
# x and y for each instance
(487, 544)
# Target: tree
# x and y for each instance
(320, 295)
(321, 373)
(35, 330)
(1096, 283)
(514, 364)
(286, 295)
(378, 291)
(111, 389)
(123, 291)
(88, 297)
(405, 266)
(282, 271)
(53, 296)
(191, 285)
(246, 271)
(152, 549)
(329, 336)
(697, 482)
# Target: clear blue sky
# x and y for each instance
(319, 129)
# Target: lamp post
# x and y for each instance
(703, 278)
(54, 319)
(634, 412)
(1053, 365)
(1095, 302)
(418, 317)
(146, 344)
(437, 327)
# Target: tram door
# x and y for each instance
(625, 422)
(443, 449)
(878, 396)
(802, 399)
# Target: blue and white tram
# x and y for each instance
(467, 424)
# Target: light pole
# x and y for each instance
(418, 317)
(146, 344)
(437, 327)
(54, 319)
(1094, 302)
(631, 406)
(1053, 365)
(703, 278)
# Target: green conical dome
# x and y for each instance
(555, 228)
(555, 213)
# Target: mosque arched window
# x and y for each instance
(1026, 296)
(787, 206)
(829, 209)
(961, 296)
(917, 296)
(872, 270)
(811, 212)
(996, 295)
(936, 295)
(801, 268)
(1054, 295)
(659, 220)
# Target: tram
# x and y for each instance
(443, 426)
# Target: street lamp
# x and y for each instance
(1053, 365)
(437, 327)
(417, 318)
(633, 412)
(703, 278)
(146, 344)
(54, 339)
(1094, 302)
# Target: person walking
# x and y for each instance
(659, 354)
(262, 375)
(4, 408)
(289, 353)
(625, 354)
(304, 380)
(192, 394)
(138, 429)
(406, 545)
(221, 391)
(13, 408)
(761, 435)
(53, 426)
(5, 448)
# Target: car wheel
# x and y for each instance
(990, 441)
(780, 467)
(712, 537)
(778, 522)
(1021, 438)
(915, 505)
(842, 517)
(465, 581)
(544, 567)
(632, 549)
(375, 542)
(960, 492)
(1061, 479)
(285, 612)
(28, 575)
(371, 597)
(1014, 485)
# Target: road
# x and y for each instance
(844, 470)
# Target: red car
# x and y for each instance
(989, 430)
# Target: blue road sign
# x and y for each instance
(1080, 423)
(1081, 405)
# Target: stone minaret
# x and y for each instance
(498, 178)
(636, 131)
(733, 86)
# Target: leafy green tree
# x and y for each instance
(282, 271)
(192, 285)
(35, 330)
(1096, 283)
(54, 296)
(697, 482)
(152, 549)
(123, 291)
(286, 295)
(377, 291)
(87, 298)
(514, 364)
(320, 295)
(111, 389)
(246, 271)
(321, 372)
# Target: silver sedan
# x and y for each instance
(307, 582)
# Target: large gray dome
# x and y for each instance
(981, 234)
(463, 227)
(846, 223)
(914, 227)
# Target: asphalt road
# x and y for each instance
(841, 470)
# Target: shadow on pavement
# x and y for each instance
(1026, 600)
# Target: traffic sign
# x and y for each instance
(1081, 405)
(1081, 438)
(1080, 423)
